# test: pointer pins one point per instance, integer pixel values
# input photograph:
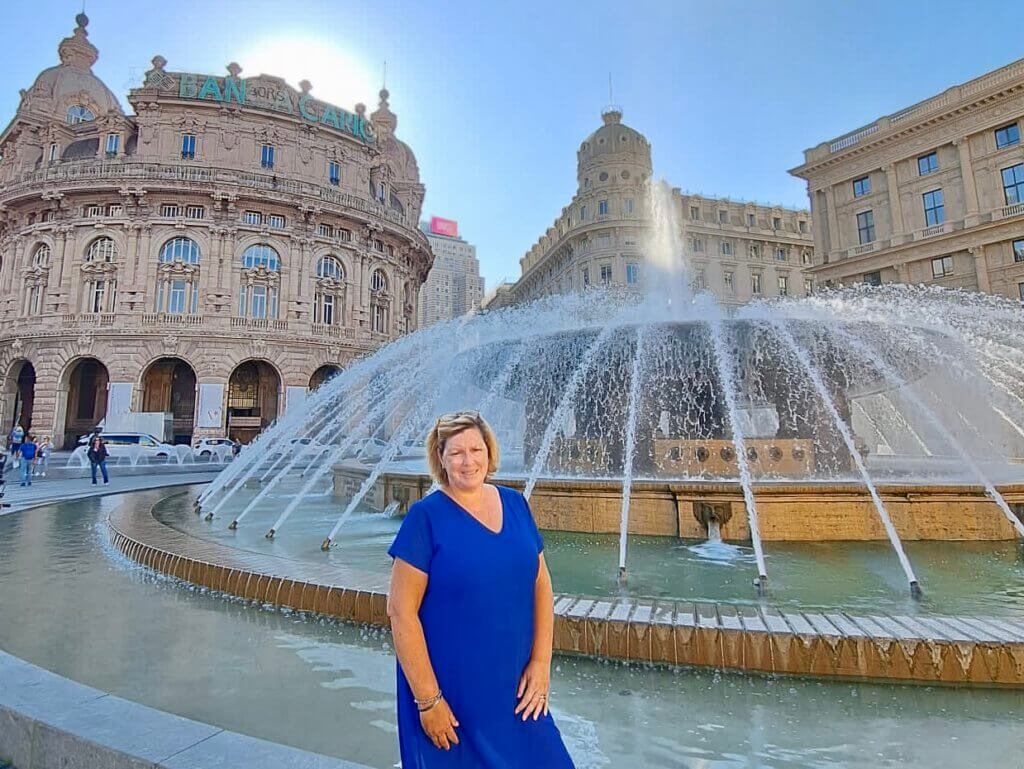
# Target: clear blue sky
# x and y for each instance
(495, 97)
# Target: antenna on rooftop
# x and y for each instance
(384, 79)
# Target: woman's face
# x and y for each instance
(465, 459)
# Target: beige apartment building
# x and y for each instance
(214, 255)
(933, 193)
(454, 285)
(738, 251)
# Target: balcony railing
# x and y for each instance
(260, 324)
(92, 170)
(89, 319)
(338, 332)
(1016, 209)
(164, 319)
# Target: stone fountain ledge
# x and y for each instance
(51, 722)
(980, 651)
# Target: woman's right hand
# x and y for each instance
(439, 723)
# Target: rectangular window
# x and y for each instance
(267, 156)
(698, 245)
(188, 146)
(783, 285)
(252, 217)
(866, 226)
(934, 209)
(1008, 135)
(755, 252)
(1020, 291)
(345, 235)
(604, 240)
(606, 274)
(802, 225)
(726, 248)
(781, 255)
(942, 267)
(327, 309)
(723, 217)
(115, 209)
(194, 303)
(325, 231)
(195, 212)
(94, 212)
(583, 213)
(259, 301)
(113, 143)
(97, 295)
(805, 257)
(873, 278)
(695, 213)
(755, 283)
(170, 210)
(751, 220)
(176, 298)
(275, 221)
(632, 273)
(1018, 250)
(1013, 184)
(776, 223)
(334, 172)
(378, 245)
(861, 186)
(927, 164)
(808, 286)
(629, 206)
(727, 281)
(53, 153)
(47, 216)
(602, 208)
(585, 274)
(699, 281)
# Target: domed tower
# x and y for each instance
(614, 153)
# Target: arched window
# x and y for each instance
(329, 298)
(41, 257)
(379, 281)
(101, 250)
(260, 255)
(330, 267)
(184, 250)
(79, 114)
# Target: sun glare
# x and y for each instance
(338, 75)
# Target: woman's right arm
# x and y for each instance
(408, 585)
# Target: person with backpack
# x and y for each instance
(28, 450)
(98, 458)
(43, 456)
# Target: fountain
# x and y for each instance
(892, 415)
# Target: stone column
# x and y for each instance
(132, 262)
(895, 206)
(981, 268)
(970, 185)
(57, 267)
(146, 275)
(834, 241)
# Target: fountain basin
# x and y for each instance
(789, 511)
(984, 651)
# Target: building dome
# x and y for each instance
(70, 91)
(614, 147)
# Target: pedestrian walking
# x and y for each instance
(98, 458)
(43, 456)
(28, 449)
(15, 438)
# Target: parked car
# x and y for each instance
(205, 447)
(307, 447)
(368, 449)
(120, 444)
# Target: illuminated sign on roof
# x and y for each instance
(445, 227)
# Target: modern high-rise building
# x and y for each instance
(736, 250)
(933, 193)
(454, 286)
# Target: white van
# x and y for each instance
(120, 445)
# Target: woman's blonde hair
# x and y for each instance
(448, 425)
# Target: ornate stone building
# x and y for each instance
(736, 250)
(933, 193)
(216, 254)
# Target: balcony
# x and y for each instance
(333, 331)
(260, 324)
(1006, 212)
(930, 232)
(163, 319)
(89, 319)
(865, 249)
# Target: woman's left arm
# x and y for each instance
(535, 683)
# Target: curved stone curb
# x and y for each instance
(51, 722)
(977, 651)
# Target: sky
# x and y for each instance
(495, 97)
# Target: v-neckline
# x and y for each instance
(481, 524)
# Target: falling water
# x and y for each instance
(630, 447)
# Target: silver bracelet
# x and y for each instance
(424, 705)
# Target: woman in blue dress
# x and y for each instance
(471, 610)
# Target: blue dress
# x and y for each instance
(477, 616)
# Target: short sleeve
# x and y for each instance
(414, 542)
(532, 524)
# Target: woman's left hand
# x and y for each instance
(534, 686)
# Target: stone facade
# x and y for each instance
(933, 193)
(738, 251)
(215, 254)
(454, 286)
